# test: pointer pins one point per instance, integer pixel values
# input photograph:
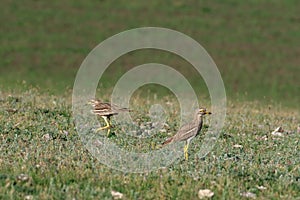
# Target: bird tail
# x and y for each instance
(125, 110)
(169, 140)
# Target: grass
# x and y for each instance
(255, 45)
(39, 141)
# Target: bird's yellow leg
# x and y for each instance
(185, 150)
(105, 127)
(108, 132)
(108, 123)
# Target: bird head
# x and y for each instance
(93, 102)
(203, 111)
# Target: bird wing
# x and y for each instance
(185, 133)
(104, 109)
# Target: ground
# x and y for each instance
(255, 46)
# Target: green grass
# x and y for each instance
(38, 139)
(255, 45)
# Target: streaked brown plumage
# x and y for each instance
(189, 131)
(106, 110)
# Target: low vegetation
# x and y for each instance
(43, 156)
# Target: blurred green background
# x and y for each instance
(255, 44)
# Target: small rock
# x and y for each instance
(237, 146)
(28, 197)
(116, 195)
(23, 177)
(248, 195)
(261, 187)
(205, 193)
